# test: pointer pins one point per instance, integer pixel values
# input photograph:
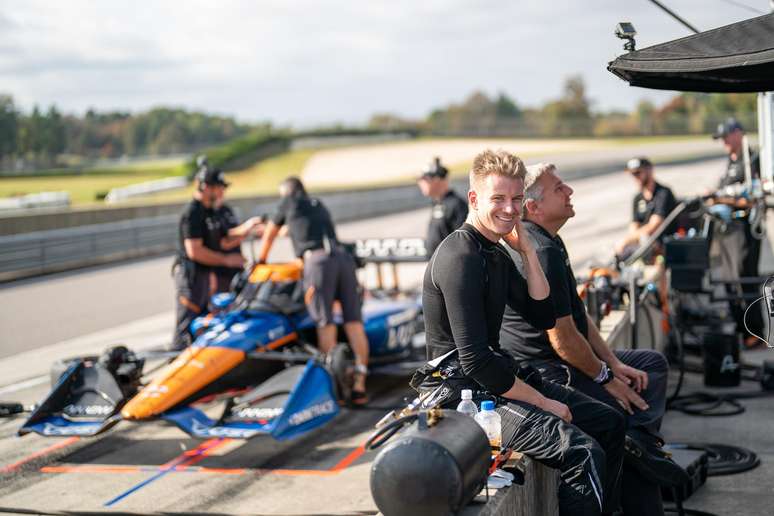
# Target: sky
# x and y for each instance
(307, 62)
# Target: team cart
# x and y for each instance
(252, 369)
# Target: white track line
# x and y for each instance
(26, 384)
(150, 332)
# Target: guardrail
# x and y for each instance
(41, 252)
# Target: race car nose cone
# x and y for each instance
(192, 370)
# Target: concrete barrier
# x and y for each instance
(148, 187)
(35, 201)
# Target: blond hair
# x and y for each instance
(500, 162)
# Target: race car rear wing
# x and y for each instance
(392, 250)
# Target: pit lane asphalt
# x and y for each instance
(150, 467)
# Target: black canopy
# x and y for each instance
(735, 58)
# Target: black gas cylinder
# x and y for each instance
(432, 471)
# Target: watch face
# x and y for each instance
(608, 374)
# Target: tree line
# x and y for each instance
(42, 135)
(37, 138)
(573, 114)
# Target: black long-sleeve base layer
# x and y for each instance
(467, 285)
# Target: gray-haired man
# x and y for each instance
(574, 353)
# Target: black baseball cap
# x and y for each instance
(638, 163)
(211, 176)
(727, 127)
(435, 169)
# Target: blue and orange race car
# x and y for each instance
(255, 355)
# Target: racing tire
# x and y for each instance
(341, 363)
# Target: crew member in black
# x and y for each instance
(467, 285)
(449, 209)
(652, 204)
(733, 180)
(329, 273)
(574, 354)
(201, 261)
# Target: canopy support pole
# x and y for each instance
(766, 138)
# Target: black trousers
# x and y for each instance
(192, 292)
(587, 452)
(640, 496)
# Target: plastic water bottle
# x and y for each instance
(492, 425)
(757, 190)
(467, 406)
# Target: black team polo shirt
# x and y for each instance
(518, 337)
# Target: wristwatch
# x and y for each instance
(605, 374)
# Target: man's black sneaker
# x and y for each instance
(654, 464)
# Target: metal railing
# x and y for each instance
(41, 252)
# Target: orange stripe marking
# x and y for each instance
(222, 471)
(349, 459)
(296, 472)
(91, 469)
(188, 465)
(208, 447)
(45, 451)
(134, 469)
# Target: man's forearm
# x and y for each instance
(536, 279)
(205, 256)
(573, 348)
(598, 344)
(520, 391)
(241, 230)
(230, 242)
(272, 230)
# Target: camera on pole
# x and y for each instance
(625, 30)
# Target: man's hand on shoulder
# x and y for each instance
(632, 377)
(625, 396)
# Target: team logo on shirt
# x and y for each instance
(734, 171)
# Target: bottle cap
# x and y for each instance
(467, 394)
(487, 405)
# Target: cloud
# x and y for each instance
(76, 65)
(308, 62)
